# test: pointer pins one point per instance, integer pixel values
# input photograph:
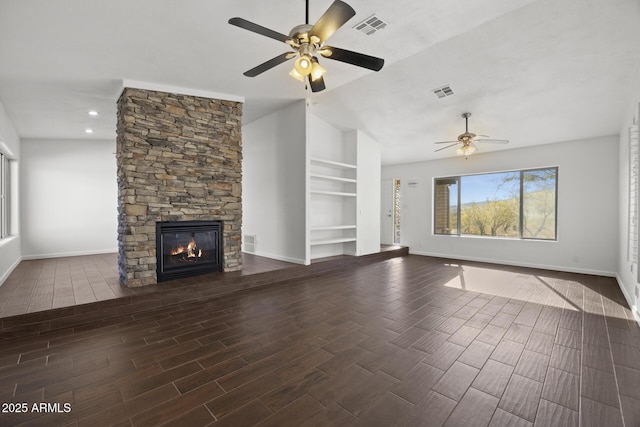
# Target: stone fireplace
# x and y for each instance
(179, 159)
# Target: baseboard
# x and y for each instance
(634, 308)
(518, 264)
(278, 257)
(13, 266)
(68, 254)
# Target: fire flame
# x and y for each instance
(191, 250)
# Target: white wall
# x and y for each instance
(325, 142)
(10, 247)
(273, 183)
(368, 203)
(587, 207)
(627, 279)
(68, 198)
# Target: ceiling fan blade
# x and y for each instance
(317, 85)
(353, 58)
(493, 141)
(335, 17)
(445, 142)
(444, 148)
(259, 29)
(268, 64)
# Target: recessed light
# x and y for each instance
(88, 131)
(94, 113)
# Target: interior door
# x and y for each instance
(386, 212)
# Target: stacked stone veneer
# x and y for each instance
(179, 159)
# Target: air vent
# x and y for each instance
(371, 25)
(249, 243)
(443, 91)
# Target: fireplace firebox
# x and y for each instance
(188, 248)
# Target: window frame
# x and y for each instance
(5, 182)
(3, 186)
(521, 172)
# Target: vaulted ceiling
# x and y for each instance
(531, 71)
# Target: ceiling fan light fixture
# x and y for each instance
(303, 65)
(316, 69)
(465, 140)
(296, 75)
(466, 150)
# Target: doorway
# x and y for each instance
(390, 212)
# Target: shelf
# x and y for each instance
(332, 178)
(331, 241)
(334, 227)
(333, 193)
(332, 163)
(328, 179)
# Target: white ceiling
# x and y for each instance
(531, 71)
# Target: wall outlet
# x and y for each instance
(576, 258)
(637, 292)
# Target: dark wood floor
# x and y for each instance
(405, 341)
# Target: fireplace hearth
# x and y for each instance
(188, 248)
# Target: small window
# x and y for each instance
(446, 205)
(539, 204)
(515, 204)
(4, 196)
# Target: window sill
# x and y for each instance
(516, 239)
(6, 240)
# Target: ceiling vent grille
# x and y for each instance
(371, 25)
(443, 91)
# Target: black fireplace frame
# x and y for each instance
(188, 226)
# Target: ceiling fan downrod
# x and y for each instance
(466, 121)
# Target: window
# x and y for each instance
(516, 204)
(634, 161)
(446, 205)
(4, 196)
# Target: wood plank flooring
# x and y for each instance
(406, 341)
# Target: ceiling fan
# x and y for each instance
(467, 139)
(307, 42)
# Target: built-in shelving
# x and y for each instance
(333, 188)
(333, 178)
(333, 193)
(332, 163)
(334, 227)
(332, 241)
